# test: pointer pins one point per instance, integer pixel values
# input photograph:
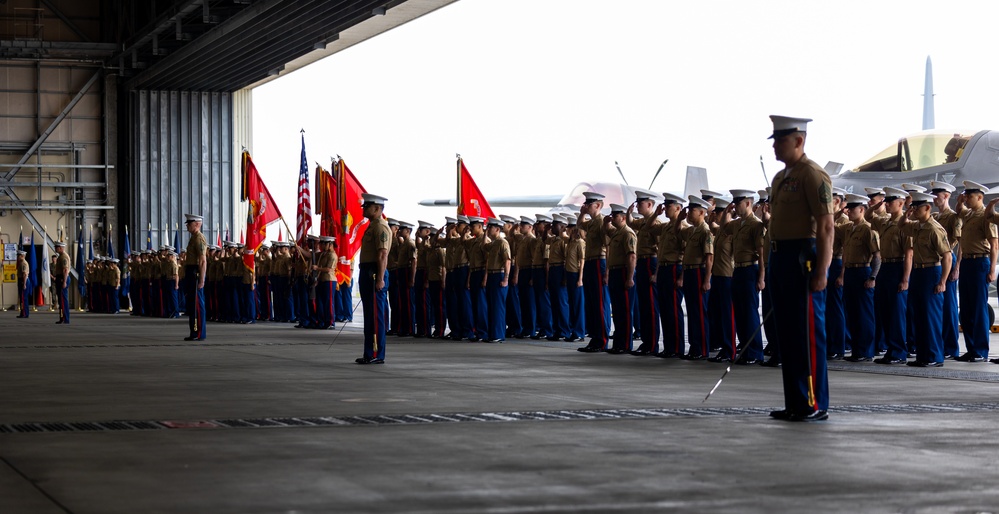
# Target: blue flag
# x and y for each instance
(149, 238)
(33, 263)
(110, 253)
(176, 240)
(80, 265)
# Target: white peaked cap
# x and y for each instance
(643, 194)
(570, 220)
(406, 224)
(914, 187)
(721, 204)
(508, 219)
(922, 198)
(616, 207)
(942, 186)
(592, 196)
(697, 201)
(543, 217)
(495, 222)
(476, 219)
(707, 193)
(742, 193)
(894, 192)
(188, 218)
(527, 220)
(764, 194)
(462, 218)
(874, 191)
(839, 191)
(858, 199)
(449, 220)
(970, 187)
(672, 198)
(425, 224)
(784, 125)
(375, 199)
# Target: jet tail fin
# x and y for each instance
(697, 179)
(833, 168)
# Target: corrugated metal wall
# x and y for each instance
(182, 148)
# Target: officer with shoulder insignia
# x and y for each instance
(931, 267)
(748, 278)
(196, 265)
(861, 265)
(61, 275)
(891, 291)
(836, 333)
(647, 265)
(23, 271)
(372, 280)
(698, 260)
(801, 230)
(978, 254)
(669, 275)
(595, 272)
(621, 262)
(952, 223)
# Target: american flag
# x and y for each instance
(304, 201)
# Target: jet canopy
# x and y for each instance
(919, 151)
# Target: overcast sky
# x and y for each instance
(538, 95)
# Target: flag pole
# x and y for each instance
(457, 197)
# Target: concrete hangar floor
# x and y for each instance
(118, 414)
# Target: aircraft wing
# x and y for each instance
(546, 201)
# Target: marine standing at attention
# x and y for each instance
(801, 231)
(372, 279)
(61, 273)
(23, 269)
(195, 267)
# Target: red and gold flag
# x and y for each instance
(471, 201)
(262, 211)
(350, 221)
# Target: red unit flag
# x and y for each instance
(471, 201)
(263, 210)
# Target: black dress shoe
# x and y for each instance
(994, 361)
(782, 414)
(640, 353)
(589, 349)
(886, 360)
(666, 355)
(718, 359)
(190, 339)
(968, 357)
(921, 364)
(950, 357)
(536, 337)
(834, 357)
(377, 361)
(748, 362)
(473, 339)
(617, 351)
(363, 360)
(772, 363)
(494, 340)
(58, 322)
(571, 339)
(689, 357)
(857, 358)
(553, 338)
(819, 415)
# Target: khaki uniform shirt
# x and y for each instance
(378, 236)
(929, 242)
(456, 249)
(839, 221)
(645, 229)
(724, 263)
(670, 243)
(62, 264)
(497, 253)
(596, 240)
(436, 257)
(327, 259)
(539, 252)
(895, 235)
(196, 249)
(476, 253)
(860, 243)
(556, 250)
(524, 247)
(952, 223)
(976, 231)
(748, 240)
(575, 251)
(798, 195)
(23, 268)
(698, 243)
(623, 243)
